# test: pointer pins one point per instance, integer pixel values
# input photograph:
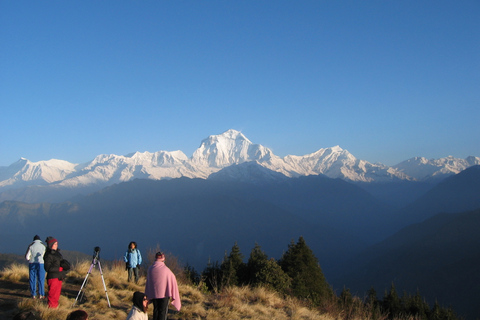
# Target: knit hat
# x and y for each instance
(50, 241)
(37, 237)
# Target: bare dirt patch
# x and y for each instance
(12, 293)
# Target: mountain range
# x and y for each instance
(358, 239)
(415, 224)
(215, 153)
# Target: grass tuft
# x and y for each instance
(15, 273)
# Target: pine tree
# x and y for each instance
(266, 272)
(191, 274)
(308, 281)
(391, 302)
(233, 267)
(256, 261)
(372, 300)
(350, 305)
(372, 304)
(272, 276)
(346, 298)
(212, 275)
(440, 313)
(416, 306)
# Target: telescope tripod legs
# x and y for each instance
(85, 281)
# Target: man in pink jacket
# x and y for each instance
(160, 287)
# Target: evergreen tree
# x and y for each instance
(263, 271)
(272, 276)
(191, 274)
(435, 314)
(440, 313)
(350, 305)
(212, 275)
(308, 281)
(416, 306)
(391, 302)
(256, 261)
(233, 267)
(346, 298)
(372, 304)
(371, 300)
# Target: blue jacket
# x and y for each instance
(133, 258)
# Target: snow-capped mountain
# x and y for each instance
(421, 168)
(230, 147)
(25, 172)
(215, 153)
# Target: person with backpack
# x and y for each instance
(56, 268)
(133, 259)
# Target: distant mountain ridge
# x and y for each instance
(421, 168)
(198, 218)
(438, 257)
(215, 153)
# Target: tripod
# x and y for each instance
(95, 261)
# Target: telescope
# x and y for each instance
(95, 261)
(96, 253)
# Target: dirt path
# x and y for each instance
(12, 293)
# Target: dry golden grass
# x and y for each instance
(242, 303)
(15, 273)
(232, 303)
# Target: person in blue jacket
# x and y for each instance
(133, 259)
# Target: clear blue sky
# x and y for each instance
(386, 80)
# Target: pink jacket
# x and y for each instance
(161, 283)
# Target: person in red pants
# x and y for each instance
(55, 267)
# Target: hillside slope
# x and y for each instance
(439, 257)
(188, 216)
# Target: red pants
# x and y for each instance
(54, 289)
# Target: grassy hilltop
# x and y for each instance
(231, 303)
(291, 288)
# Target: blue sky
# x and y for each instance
(386, 80)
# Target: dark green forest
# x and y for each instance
(298, 274)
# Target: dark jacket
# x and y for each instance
(52, 260)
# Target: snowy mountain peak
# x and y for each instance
(25, 172)
(230, 148)
(228, 139)
(232, 134)
(421, 168)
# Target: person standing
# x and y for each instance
(140, 307)
(54, 266)
(34, 255)
(161, 286)
(133, 258)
